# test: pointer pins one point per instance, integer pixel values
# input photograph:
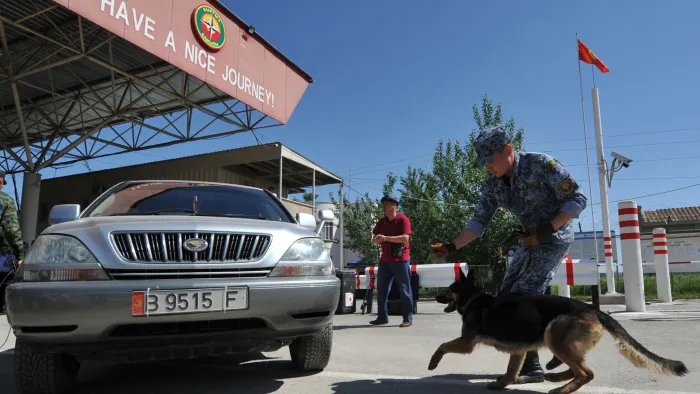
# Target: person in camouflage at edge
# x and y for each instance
(545, 198)
(11, 244)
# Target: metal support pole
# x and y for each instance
(313, 191)
(279, 189)
(341, 229)
(603, 186)
(29, 215)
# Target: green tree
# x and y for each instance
(308, 197)
(359, 219)
(439, 202)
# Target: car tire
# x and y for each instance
(44, 373)
(312, 353)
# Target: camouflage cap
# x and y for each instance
(489, 140)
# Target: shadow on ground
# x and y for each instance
(257, 374)
(201, 376)
(443, 384)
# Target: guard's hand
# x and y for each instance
(530, 240)
(441, 250)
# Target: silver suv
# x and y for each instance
(155, 270)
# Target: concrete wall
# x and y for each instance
(297, 207)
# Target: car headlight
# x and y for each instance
(306, 257)
(60, 258)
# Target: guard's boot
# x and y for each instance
(553, 363)
(531, 371)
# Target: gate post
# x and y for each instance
(631, 256)
(663, 276)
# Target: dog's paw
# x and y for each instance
(434, 361)
(451, 307)
(497, 385)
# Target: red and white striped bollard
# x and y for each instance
(608, 247)
(565, 290)
(663, 276)
(631, 256)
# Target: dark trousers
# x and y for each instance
(386, 275)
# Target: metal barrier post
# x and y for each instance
(631, 256)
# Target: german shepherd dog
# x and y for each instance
(516, 324)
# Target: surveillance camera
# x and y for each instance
(622, 159)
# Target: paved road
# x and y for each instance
(386, 359)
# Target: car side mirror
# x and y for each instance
(326, 215)
(64, 213)
(306, 220)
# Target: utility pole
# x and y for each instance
(603, 186)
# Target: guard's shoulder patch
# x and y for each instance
(566, 187)
(551, 165)
(531, 185)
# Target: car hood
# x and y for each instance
(157, 223)
(95, 233)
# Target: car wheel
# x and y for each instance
(44, 373)
(312, 353)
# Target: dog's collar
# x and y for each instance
(470, 299)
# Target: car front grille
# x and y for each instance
(154, 247)
(197, 273)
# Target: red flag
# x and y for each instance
(587, 56)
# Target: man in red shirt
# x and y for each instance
(392, 232)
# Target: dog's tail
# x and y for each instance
(637, 354)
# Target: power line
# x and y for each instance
(566, 140)
(626, 146)
(471, 206)
(565, 165)
(621, 135)
(414, 198)
(660, 193)
(392, 161)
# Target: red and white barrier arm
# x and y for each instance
(571, 272)
(675, 267)
(429, 275)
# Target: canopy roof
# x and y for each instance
(91, 78)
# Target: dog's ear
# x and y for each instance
(470, 277)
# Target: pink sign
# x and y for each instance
(199, 38)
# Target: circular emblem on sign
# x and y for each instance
(195, 245)
(208, 27)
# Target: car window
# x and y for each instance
(173, 198)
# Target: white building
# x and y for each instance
(331, 232)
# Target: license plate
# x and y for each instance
(168, 302)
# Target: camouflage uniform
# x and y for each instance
(539, 189)
(10, 235)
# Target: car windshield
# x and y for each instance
(179, 198)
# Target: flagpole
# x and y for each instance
(588, 165)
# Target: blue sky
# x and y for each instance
(393, 77)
